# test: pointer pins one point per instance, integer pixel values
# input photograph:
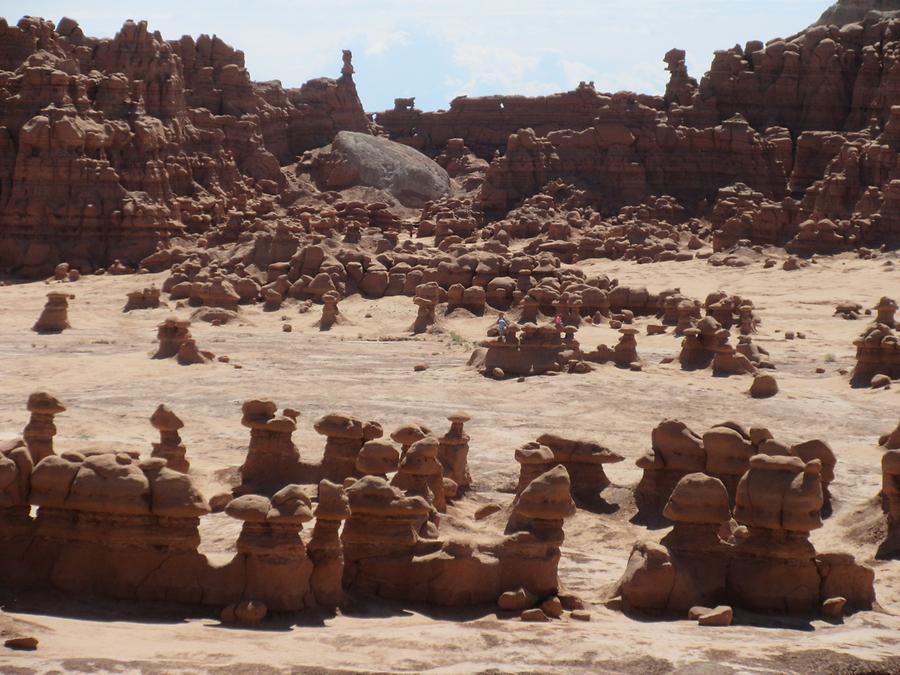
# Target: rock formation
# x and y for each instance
(891, 441)
(774, 569)
(527, 350)
(145, 298)
(325, 549)
(361, 159)
(428, 296)
(377, 458)
(175, 339)
(277, 568)
(169, 447)
(330, 312)
(877, 353)
(346, 437)
(272, 456)
(54, 317)
(420, 475)
(40, 430)
(391, 550)
(157, 138)
(453, 452)
(890, 499)
(583, 460)
(723, 452)
(885, 310)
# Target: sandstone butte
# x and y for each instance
(587, 382)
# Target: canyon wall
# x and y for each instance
(109, 148)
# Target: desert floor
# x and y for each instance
(102, 371)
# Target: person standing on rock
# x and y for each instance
(557, 322)
(501, 327)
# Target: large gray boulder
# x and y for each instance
(373, 161)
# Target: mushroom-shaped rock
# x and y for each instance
(534, 459)
(55, 316)
(420, 473)
(409, 434)
(383, 521)
(820, 450)
(584, 461)
(346, 437)
(676, 452)
(780, 493)
(249, 508)
(698, 498)
(172, 494)
(169, 447)
(290, 505)
(377, 458)
(272, 457)
(333, 503)
(453, 451)
(325, 548)
(543, 505)
(40, 430)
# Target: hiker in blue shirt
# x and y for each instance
(501, 327)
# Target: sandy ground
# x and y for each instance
(102, 370)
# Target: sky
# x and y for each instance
(436, 50)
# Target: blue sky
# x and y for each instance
(436, 50)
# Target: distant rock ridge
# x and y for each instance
(849, 11)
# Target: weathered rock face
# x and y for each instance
(453, 452)
(630, 154)
(145, 298)
(809, 115)
(484, 123)
(111, 525)
(151, 137)
(361, 159)
(890, 496)
(115, 526)
(391, 549)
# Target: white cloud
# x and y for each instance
(378, 42)
(488, 69)
(577, 71)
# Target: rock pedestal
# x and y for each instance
(453, 452)
(40, 430)
(584, 462)
(55, 316)
(277, 568)
(272, 457)
(169, 447)
(419, 474)
(325, 549)
(330, 312)
(890, 496)
(346, 437)
(877, 353)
